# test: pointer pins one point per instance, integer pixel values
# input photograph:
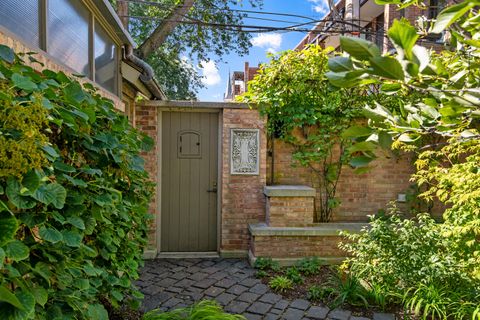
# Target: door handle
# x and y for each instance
(214, 190)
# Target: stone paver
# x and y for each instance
(172, 283)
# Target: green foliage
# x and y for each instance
(203, 310)
(320, 293)
(266, 264)
(293, 274)
(73, 197)
(309, 266)
(434, 268)
(306, 111)
(348, 289)
(280, 283)
(261, 274)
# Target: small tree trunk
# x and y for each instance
(159, 35)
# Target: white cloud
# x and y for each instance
(210, 73)
(270, 41)
(320, 6)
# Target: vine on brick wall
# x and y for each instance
(73, 196)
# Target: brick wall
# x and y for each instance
(289, 211)
(296, 246)
(49, 62)
(360, 194)
(243, 201)
(146, 120)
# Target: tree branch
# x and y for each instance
(160, 34)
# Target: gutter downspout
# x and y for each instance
(147, 73)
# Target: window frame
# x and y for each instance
(95, 17)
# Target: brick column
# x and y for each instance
(146, 120)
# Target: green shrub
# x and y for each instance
(266, 264)
(261, 274)
(204, 310)
(73, 197)
(309, 266)
(280, 283)
(293, 274)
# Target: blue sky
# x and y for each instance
(216, 76)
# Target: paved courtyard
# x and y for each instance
(175, 283)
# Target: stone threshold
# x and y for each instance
(186, 255)
(321, 229)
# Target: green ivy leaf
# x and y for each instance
(74, 92)
(52, 193)
(7, 54)
(97, 311)
(9, 297)
(51, 152)
(63, 167)
(76, 222)
(359, 48)
(15, 196)
(24, 83)
(72, 238)
(50, 235)
(387, 67)
(8, 228)
(31, 180)
(360, 161)
(16, 250)
(41, 295)
(11, 312)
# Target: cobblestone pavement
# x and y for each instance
(175, 283)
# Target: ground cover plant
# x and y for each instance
(203, 310)
(322, 284)
(432, 268)
(73, 197)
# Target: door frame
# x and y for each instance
(158, 230)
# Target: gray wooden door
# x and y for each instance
(189, 181)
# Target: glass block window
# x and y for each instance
(68, 26)
(22, 18)
(105, 59)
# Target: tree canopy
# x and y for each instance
(168, 31)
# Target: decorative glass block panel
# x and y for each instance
(68, 22)
(244, 151)
(21, 18)
(105, 59)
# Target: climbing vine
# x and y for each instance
(73, 197)
(307, 112)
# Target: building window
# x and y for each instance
(434, 8)
(68, 32)
(21, 17)
(105, 59)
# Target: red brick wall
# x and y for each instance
(360, 195)
(296, 246)
(290, 211)
(243, 201)
(146, 120)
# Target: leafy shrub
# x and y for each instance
(293, 274)
(204, 310)
(320, 293)
(348, 289)
(309, 266)
(266, 264)
(73, 197)
(261, 274)
(280, 283)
